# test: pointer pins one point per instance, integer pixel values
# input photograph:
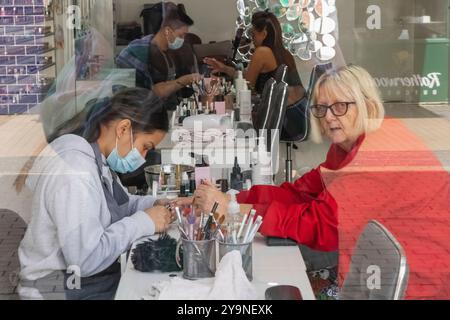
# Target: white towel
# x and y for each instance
(230, 283)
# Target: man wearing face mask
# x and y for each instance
(151, 56)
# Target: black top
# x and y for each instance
(292, 79)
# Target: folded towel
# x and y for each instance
(230, 283)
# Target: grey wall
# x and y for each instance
(214, 19)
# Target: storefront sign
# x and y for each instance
(430, 81)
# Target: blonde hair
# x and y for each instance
(350, 84)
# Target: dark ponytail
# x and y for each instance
(144, 109)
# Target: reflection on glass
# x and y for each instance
(300, 38)
(318, 8)
(315, 46)
(293, 13)
(306, 22)
(304, 54)
(278, 10)
(305, 3)
(241, 8)
(247, 21)
(326, 53)
(256, 9)
(328, 40)
(288, 30)
(303, 22)
(263, 4)
(324, 25)
(287, 3)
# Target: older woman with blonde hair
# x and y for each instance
(375, 169)
(346, 107)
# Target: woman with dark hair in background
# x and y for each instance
(82, 215)
(150, 56)
(270, 53)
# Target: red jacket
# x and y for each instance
(304, 211)
(391, 176)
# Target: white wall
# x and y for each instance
(214, 20)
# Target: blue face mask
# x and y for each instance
(176, 44)
(130, 163)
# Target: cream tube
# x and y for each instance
(241, 228)
(249, 224)
(254, 230)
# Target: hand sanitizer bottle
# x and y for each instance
(234, 216)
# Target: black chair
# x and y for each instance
(280, 73)
(275, 120)
(277, 111)
(296, 126)
(262, 112)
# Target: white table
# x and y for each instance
(271, 266)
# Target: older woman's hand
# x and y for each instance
(181, 202)
(207, 194)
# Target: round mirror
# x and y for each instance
(262, 4)
(304, 54)
(242, 8)
(287, 3)
(256, 9)
(306, 21)
(300, 38)
(288, 30)
(294, 12)
(318, 8)
(278, 10)
(304, 3)
(328, 40)
(326, 53)
(315, 46)
(324, 25)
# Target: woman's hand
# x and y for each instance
(207, 194)
(181, 202)
(162, 202)
(216, 66)
(188, 79)
(161, 217)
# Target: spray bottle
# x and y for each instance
(234, 216)
(239, 85)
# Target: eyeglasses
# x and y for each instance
(338, 109)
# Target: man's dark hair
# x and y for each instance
(175, 16)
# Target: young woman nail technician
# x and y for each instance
(82, 215)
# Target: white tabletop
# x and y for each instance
(271, 266)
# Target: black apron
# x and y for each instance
(103, 286)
